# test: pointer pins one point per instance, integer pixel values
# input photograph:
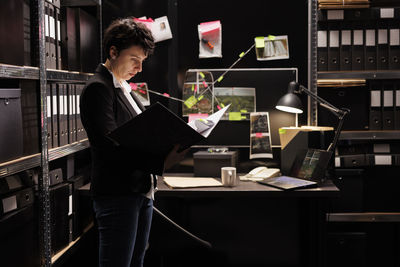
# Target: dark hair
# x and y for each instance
(124, 33)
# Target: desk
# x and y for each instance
(250, 224)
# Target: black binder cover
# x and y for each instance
(322, 49)
(375, 113)
(54, 110)
(388, 107)
(345, 49)
(383, 47)
(156, 130)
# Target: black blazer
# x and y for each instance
(115, 170)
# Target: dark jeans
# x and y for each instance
(124, 227)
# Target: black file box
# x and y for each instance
(19, 238)
(383, 46)
(375, 113)
(15, 32)
(345, 48)
(351, 185)
(210, 164)
(88, 41)
(69, 39)
(30, 117)
(10, 124)
(344, 97)
(59, 207)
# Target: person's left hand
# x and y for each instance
(174, 157)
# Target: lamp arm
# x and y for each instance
(338, 112)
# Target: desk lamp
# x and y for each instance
(292, 103)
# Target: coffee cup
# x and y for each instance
(228, 176)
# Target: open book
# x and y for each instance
(157, 129)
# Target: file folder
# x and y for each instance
(375, 115)
(322, 50)
(47, 34)
(54, 115)
(358, 55)
(52, 40)
(345, 50)
(394, 48)
(370, 49)
(157, 129)
(388, 111)
(62, 121)
(397, 108)
(74, 109)
(79, 127)
(333, 51)
(71, 114)
(58, 39)
(49, 116)
(383, 48)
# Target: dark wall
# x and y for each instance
(241, 22)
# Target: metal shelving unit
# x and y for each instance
(370, 75)
(32, 73)
(32, 161)
(370, 135)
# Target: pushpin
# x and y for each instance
(207, 43)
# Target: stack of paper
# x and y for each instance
(187, 182)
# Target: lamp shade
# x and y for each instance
(290, 103)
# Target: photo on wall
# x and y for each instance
(260, 136)
(242, 100)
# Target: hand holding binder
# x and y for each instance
(157, 130)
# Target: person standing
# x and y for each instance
(122, 180)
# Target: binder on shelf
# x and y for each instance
(383, 47)
(52, 39)
(397, 107)
(74, 108)
(79, 127)
(357, 62)
(49, 116)
(345, 49)
(47, 33)
(394, 48)
(58, 39)
(375, 112)
(54, 115)
(370, 49)
(71, 114)
(333, 51)
(322, 50)
(388, 111)
(157, 130)
(62, 121)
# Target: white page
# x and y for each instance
(215, 117)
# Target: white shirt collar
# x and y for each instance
(125, 87)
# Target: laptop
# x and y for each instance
(288, 183)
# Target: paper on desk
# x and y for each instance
(187, 182)
(215, 117)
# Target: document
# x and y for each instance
(157, 130)
(188, 182)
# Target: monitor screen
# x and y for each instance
(269, 85)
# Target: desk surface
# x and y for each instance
(248, 188)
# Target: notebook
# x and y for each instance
(288, 183)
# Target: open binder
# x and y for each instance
(157, 129)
